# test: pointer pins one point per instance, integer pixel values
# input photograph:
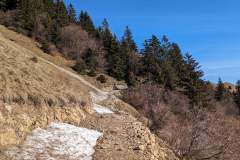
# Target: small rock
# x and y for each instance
(8, 107)
(120, 149)
(120, 87)
(140, 147)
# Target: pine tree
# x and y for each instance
(49, 7)
(71, 14)
(115, 62)
(86, 23)
(151, 63)
(166, 46)
(128, 53)
(105, 34)
(61, 14)
(11, 4)
(3, 5)
(80, 66)
(105, 25)
(192, 81)
(220, 90)
(90, 59)
(128, 41)
(169, 75)
(237, 95)
(25, 21)
(177, 62)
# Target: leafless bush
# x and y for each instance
(74, 41)
(83, 103)
(34, 59)
(156, 103)
(35, 100)
(200, 135)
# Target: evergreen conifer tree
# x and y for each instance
(71, 14)
(128, 41)
(237, 95)
(192, 80)
(61, 14)
(115, 61)
(177, 62)
(128, 53)
(169, 75)
(90, 59)
(3, 5)
(152, 50)
(10, 4)
(220, 90)
(86, 23)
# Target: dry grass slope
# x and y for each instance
(34, 92)
(27, 81)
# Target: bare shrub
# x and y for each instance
(34, 59)
(148, 96)
(201, 134)
(35, 100)
(83, 103)
(74, 41)
(101, 79)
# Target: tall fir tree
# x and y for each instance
(220, 90)
(177, 62)
(192, 81)
(61, 14)
(116, 64)
(71, 14)
(3, 5)
(25, 20)
(10, 4)
(59, 19)
(169, 75)
(90, 59)
(86, 23)
(237, 96)
(128, 53)
(128, 40)
(151, 66)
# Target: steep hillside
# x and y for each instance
(35, 92)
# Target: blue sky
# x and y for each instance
(208, 29)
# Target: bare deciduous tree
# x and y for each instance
(74, 41)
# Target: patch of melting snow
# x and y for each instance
(102, 110)
(58, 141)
(98, 97)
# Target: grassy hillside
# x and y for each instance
(34, 92)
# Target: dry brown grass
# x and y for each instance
(33, 46)
(37, 83)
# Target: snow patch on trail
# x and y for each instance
(102, 110)
(98, 97)
(58, 141)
